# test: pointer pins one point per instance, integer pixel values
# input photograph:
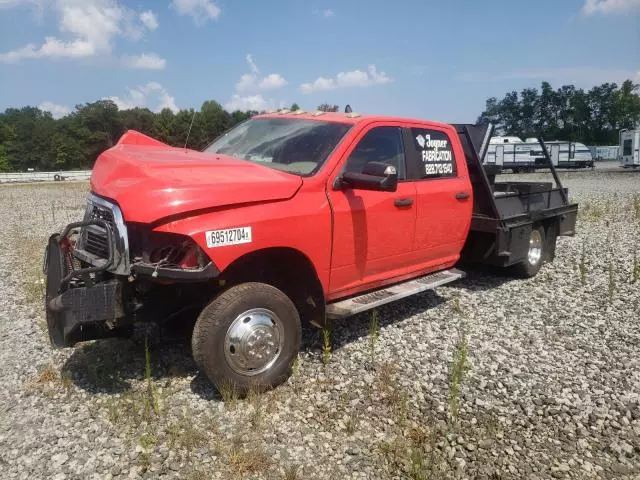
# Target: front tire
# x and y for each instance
(247, 338)
(536, 254)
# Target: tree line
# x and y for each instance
(31, 138)
(593, 117)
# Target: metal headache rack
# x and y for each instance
(505, 212)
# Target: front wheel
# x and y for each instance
(529, 267)
(247, 338)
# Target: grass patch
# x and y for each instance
(582, 266)
(455, 305)
(229, 393)
(183, 434)
(459, 365)
(415, 455)
(247, 461)
(374, 330)
(326, 345)
(291, 473)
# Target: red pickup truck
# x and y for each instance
(287, 218)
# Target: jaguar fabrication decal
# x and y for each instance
(436, 153)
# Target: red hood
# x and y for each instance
(150, 180)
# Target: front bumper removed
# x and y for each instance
(78, 308)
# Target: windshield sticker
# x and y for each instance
(230, 236)
(435, 151)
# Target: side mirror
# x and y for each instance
(377, 176)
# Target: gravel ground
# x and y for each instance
(489, 378)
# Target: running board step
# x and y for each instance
(367, 301)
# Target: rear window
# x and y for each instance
(289, 144)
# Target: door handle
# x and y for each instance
(403, 202)
(462, 195)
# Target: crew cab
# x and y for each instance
(287, 218)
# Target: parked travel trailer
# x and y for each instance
(630, 148)
(511, 153)
(569, 154)
(522, 156)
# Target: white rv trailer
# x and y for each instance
(512, 153)
(569, 154)
(630, 148)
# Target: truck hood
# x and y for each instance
(151, 181)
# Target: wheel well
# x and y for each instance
(287, 269)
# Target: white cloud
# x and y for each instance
(592, 7)
(252, 64)
(251, 102)
(149, 19)
(247, 82)
(327, 13)
(148, 61)
(152, 95)
(354, 78)
(581, 76)
(57, 111)
(87, 28)
(271, 81)
(250, 82)
(199, 10)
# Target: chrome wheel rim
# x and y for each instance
(254, 341)
(535, 247)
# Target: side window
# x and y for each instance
(626, 147)
(431, 154)
(380, 144)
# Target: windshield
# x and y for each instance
(290, 144)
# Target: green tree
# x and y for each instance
(5, 166)
(294, 107)
(325, 107)
(592, 117)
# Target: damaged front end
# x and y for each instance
(97, 287)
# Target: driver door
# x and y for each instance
(372, 231)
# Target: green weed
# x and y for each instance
(458, 370)
(326, 345)
(582, 266)
(373, 335)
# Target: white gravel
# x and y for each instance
(551, 390)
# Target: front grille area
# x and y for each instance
(96, 242)
(100, 213)
(92, 245)
(95, 239)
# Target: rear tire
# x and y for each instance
(247, 338)
(536, 254)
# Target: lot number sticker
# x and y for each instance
(230, 236)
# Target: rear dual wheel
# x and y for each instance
(536, 254)
(247, 338)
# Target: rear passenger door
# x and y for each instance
(443, 196)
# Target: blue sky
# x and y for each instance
(427, 59)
